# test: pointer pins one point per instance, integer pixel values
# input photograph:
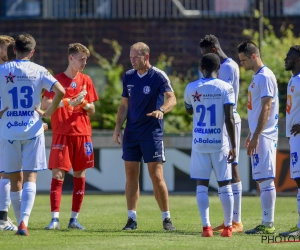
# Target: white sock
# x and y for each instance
(28, 197)
(226, 198)
(55, 215)
(165, 215)
(4, 194)
(16, 202)
(74, 215)
(132, 214)
(203, 204)
(237, 201)
(267, 199)
(298, 205)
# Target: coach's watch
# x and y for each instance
(162, 110)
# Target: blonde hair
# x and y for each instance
(6, 40)
(75, 48)
(140, 46)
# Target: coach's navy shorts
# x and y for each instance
(150, 150)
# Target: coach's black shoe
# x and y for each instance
(130, 225)
(167, 224)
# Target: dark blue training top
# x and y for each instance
(145, 94)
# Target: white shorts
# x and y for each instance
(264, 160)
(24, 155)
(1, 156)
(237, 141)
(294, 158)
(202, 165)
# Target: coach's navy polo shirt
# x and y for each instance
(145, 94)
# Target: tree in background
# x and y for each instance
(274, 51)
(177, 121)
(107, 107)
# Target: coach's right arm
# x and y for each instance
(121, 117)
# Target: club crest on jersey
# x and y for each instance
(197, 96)
(292, 88)
(88, 148)
(255, 160)
(146, 90)
(252, 85)
(294, 158)
(10, 78)
(73, 85)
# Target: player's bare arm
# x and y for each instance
(166, 107)
(247, 141)
(88, 107)
(3, 111)
(46, 102)
(266, 104)
(295, 129)
(121, 117)
(230, 127)
(189, 111)
(59, 94)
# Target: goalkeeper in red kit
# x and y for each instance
(71, 141)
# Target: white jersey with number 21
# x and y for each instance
(207, 97)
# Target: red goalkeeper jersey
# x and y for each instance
(73, 121)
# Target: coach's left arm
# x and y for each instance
(170, 102)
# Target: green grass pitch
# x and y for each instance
(105, 215)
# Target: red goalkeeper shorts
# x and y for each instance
(74, 152)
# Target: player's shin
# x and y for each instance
(28, 197)
(78, 194)
(226, 198)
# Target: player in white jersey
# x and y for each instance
(21, 83)
(230, 73)
(292, 63)
(261, 142)
(211, 101)
(6, 43)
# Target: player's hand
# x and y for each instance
(76, 101)
(41, 112)
(3, 111)
(231, 155)
(157, 114)
(82, 94)
(247, 141)
(252, 146)
(295, 129)
(118, 137)
(45, 126)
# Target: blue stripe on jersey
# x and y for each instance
(267, 96)
(188, 106)
(52, 86)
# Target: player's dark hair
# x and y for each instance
(296, 48)
(209, 41)
(10, 51)
(210, 62)
(25, 43)
(248, 48)
(75, 48)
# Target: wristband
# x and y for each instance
(65, 102)
(84, 103)
(87, 106)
